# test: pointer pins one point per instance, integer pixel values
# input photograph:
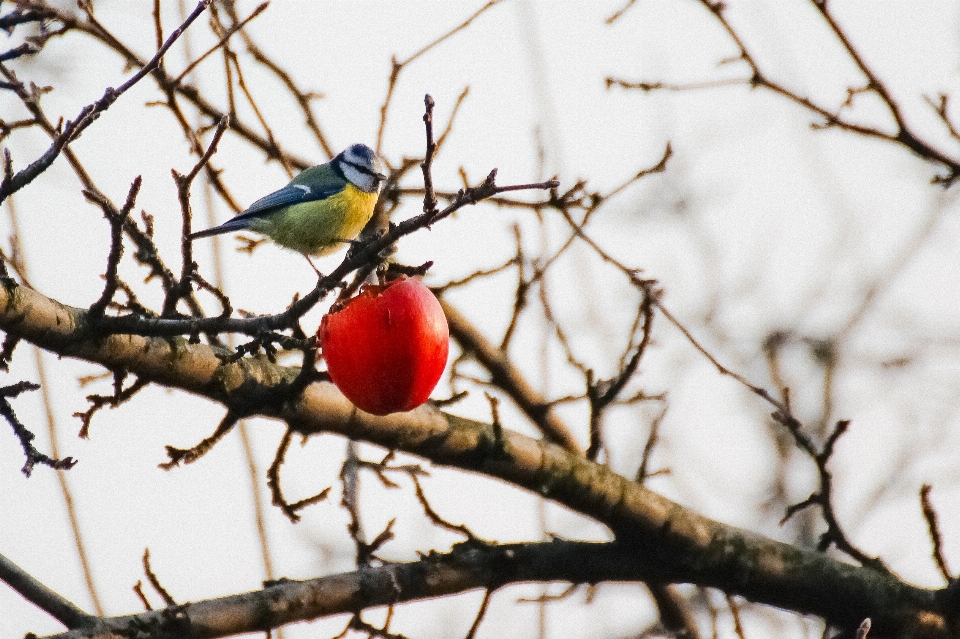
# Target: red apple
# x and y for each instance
(387, 347)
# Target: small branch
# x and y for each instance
(675, 612)
(643, 473)
(184, 182)
(138, 590)
(223, 40)
(735, 613)
(903, 134)
(88, 114)
(358, 624)
(98, 308)
(436, 519)
(154, 581)
(620, 12)
(190, 455)
(429, 197)
(38, 594)
(824, 495)
(481, 613)
(273, 482)
(604, 392)
(941, 108)
(933, 527)
(120, 395)
(304, 99)
(396, 66)
(33, 455)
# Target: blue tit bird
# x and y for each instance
(322, 207)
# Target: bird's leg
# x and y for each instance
(310, 262)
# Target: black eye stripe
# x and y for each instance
(362, 169)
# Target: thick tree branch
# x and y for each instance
(677, 544)
(469, 566)
(47, 600)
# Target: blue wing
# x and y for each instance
(290, 194)
(311, 185)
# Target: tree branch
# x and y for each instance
(47, 600)
(676, 544)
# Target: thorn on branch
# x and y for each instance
(395, 269)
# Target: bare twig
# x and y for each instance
(155, 581)
(273, 482)
(88, 114)
(120, 395)
(432, 515)
(903, 134)
(223, 40)
(184, 182)
(481, 612)
(398, 65)
(190, 455)
(507, 377)
(33, 455)
(116, 250)
(933, 526)
(429, 197)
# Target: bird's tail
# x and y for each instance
(227, 227)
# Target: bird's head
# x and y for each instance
(362, 167)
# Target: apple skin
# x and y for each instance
(387, 347)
